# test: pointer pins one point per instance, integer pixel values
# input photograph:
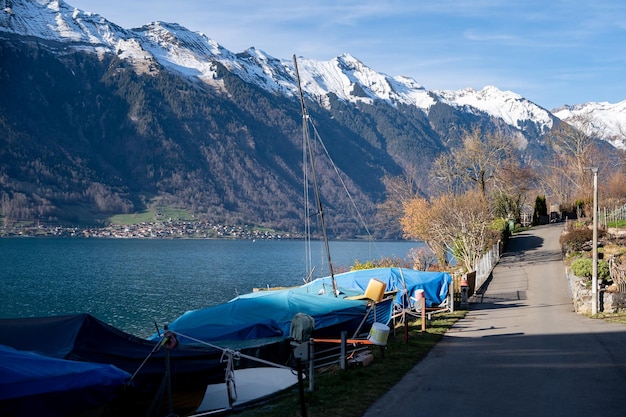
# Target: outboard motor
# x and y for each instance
(301, 328)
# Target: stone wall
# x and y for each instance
(609, 302)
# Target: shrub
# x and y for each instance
(380, 263)
(583, 267)
(500, 227)
(575, 239)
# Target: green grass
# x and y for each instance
(619, 317)
(619, 224)
(349, 393)
(153, 214)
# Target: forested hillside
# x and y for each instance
(87, 136)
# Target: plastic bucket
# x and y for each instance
(378, 334)
(419, 294)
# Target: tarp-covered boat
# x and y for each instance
(403, 281)
(37, 385)
(268, 314)
(84, 338)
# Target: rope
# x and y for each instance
(240, 355)
(345, 187)
(153, 351)
(229, 378)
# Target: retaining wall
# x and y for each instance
(609, 302)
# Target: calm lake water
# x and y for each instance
(132, 283)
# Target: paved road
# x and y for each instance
(521, 350)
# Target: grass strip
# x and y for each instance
(351, 392)
(619, 317)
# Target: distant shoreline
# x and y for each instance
(159, 230)
(152, 230)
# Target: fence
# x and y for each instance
(318, 355)
(477, 278)
(486, 265)
(606, 216)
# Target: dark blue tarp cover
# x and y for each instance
(84, 338)
(31, 383)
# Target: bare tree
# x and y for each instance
(399, 190)
(575, 153)
(445, 177)
(475, 164)
(417, 223)
(614, 189)
(511, 188)
(554, 183)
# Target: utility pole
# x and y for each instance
(594, 264)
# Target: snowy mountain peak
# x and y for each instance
(195, 55)
(57, 21)
(351, 80)
(603, 120)
(506, 105)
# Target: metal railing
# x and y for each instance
(486, 265)
(317, 356)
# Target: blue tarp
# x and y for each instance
(32, 383)
(266, 314)
(404, 281)
(84, 338)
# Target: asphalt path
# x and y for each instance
(521, 350)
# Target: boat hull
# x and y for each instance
(83, 338)
(32, 385)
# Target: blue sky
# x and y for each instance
(552, 52)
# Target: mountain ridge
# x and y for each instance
(113, 118)
(170, 44)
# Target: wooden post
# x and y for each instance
(405, 321)
(301, 388)
(311, 348)
(342, 359)
(451, 297)
(423, 314)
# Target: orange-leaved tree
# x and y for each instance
(457, 224)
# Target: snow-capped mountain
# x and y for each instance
(99, 119)
(195, 55)
(602, 120)
(505, 105)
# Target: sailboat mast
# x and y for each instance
(318, 200)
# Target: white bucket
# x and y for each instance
(378, 334)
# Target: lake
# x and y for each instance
(133, 283)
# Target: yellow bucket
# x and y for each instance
(375, 290)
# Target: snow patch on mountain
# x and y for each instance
(506, 105)
(256, 66)
(353, 81)
(195, 55)
(178, 49)
(602, 120)
(58, 21)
